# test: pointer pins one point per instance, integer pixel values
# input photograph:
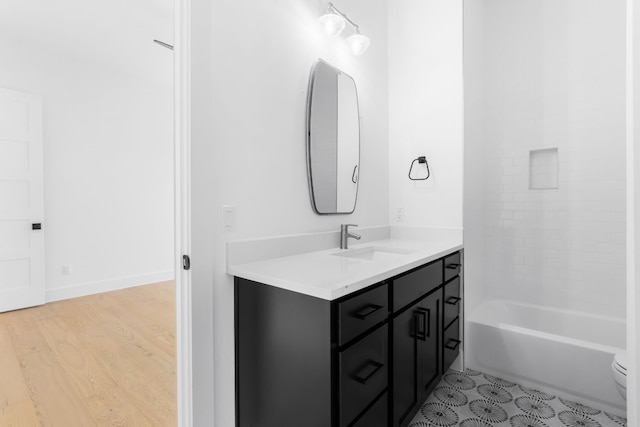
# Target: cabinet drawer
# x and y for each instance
(412, 286)
(377, 415)
(451, 344)
(452, 266)
(363, 374)
(452, 301)
(359, 313)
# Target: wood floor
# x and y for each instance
(101, 360)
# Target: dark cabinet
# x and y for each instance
(363, 374)
(376, 416)
(416, 361)
(283, 368)
(452, 298)
(302, 360)
(451, 344)
(369, 359)
(452, 302)
(452, 266)
(361, 312)
(415, 284)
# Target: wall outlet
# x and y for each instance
(66, 270)
(400, 214)
(228, 218)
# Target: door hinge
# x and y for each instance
(186, 262)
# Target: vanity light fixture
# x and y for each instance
(358, 43)
(334, 21)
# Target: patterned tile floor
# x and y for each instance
(474, 399)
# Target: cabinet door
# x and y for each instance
(451, 302)
(283, 363)
(415, 284)
(428, 337)
(363, 374)
(451, 344)
(362, 312)
(376, 416)
(452, 266)
(406, 394)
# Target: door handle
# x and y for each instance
(418, 325)
(354, 177)
(423, 323)
(36, 226)
(367, 311)
(368, 371)
(453, 266)
(452, 344)
(427, 321)
(453, 300)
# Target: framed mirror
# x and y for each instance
(333, 140)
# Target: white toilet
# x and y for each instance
(619, 368)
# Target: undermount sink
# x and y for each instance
(374, 253)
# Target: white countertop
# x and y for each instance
(323, 275)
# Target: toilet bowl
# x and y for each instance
(619, 369)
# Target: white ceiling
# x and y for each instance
(114, 33)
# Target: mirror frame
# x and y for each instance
(312, 76)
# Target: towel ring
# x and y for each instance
(420, 160)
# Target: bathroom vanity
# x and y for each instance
(359, 355)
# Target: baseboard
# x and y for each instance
(90, 288)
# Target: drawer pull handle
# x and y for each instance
(423, 323)
(453, 300)
(452, 344)
(454, 266)
(367, 371)
(367, 311)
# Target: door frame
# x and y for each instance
(633, 211)
(182, 209)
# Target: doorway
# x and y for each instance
(107, 141)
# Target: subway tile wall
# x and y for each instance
(563, 247)
(555, 81)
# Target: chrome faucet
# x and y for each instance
(344, 235)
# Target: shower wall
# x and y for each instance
(545, 153)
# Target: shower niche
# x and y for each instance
(543, 169)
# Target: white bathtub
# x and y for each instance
(563, 352)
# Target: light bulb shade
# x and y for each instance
(332, 23)
(358, 43)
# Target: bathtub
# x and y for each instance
(565, 353)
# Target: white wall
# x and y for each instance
(108, 168)
(549, 77)
(474, 164)
(425, 110)
(251, 63)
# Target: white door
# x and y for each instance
(21, 201)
